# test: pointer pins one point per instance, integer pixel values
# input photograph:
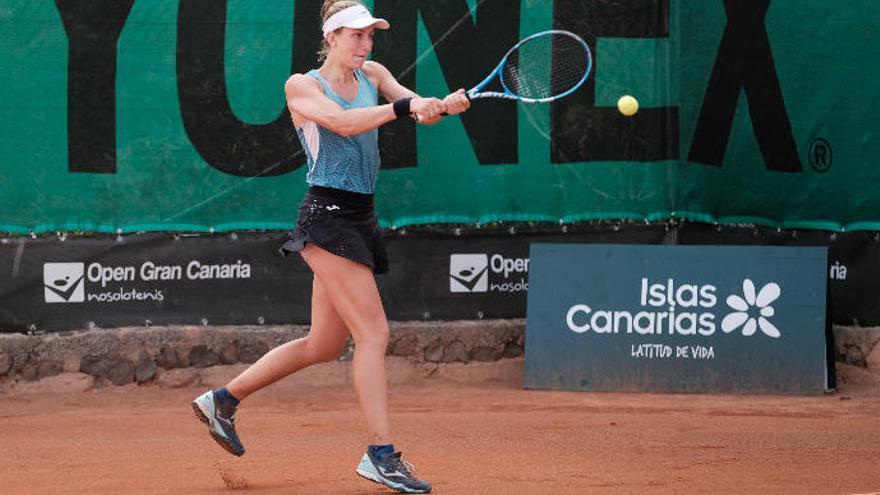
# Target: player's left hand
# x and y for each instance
(455, 103)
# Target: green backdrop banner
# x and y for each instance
(131, 115)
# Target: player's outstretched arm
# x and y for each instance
(392, 90)
(307, 101)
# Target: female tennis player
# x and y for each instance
(336, 115)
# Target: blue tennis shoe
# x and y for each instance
(220, 421)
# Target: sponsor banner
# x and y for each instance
(50, 284)
(677, 318)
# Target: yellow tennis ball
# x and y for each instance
(628, 105)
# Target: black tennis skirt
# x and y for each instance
(340, 222)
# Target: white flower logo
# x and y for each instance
(741, 317)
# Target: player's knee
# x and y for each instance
(375, 338)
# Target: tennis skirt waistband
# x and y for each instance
(347, 197)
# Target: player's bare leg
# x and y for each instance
(353, 292)
(326, 339)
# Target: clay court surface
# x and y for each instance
(468, 430)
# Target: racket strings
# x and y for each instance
(545, 66)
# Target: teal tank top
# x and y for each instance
(348, 163)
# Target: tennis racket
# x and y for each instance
(541, 68)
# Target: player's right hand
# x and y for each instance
(456, 103)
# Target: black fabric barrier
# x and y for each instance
(50, 284)
(149, 279)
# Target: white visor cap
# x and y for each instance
(355, 17)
